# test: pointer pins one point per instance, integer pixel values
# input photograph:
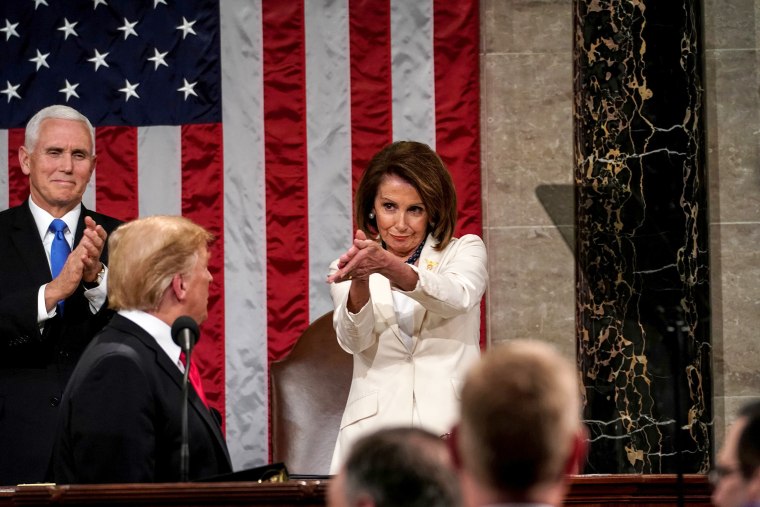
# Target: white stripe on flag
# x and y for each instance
(244, 234)
(412, 68)
(88, 198)
(159, 170)
(328, 133)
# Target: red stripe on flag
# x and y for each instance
(116, 172)
(457, 100)
(18, 182)
(286, 174)
(457, 111)
(203, 203)
(371, 81)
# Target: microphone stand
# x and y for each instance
(184, 453)
(185, 333)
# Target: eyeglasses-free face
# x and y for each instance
(719, 473)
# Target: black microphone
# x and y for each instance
(185, 333)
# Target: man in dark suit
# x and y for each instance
(121, 413)
(46, 321)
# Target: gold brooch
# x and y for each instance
(430, 264)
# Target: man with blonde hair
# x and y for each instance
(121, 411)
(520, 434)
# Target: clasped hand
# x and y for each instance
(365, 257)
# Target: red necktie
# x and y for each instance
(195, 378)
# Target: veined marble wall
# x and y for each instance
(642, 272)
(527, 136)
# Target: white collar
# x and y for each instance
(158, 329)
(42, 218)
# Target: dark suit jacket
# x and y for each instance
(121, 416)
(34, 366)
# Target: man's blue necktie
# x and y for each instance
(59, 251)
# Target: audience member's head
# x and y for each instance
(749, 457)
(159, 264)
(396, 467)
(520, 433)
(731, 481)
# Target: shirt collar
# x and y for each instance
(42, 218)
(158, 329)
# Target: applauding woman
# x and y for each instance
(407, 297)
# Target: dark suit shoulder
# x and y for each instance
(121, 330)
(109, 223)
(117, 348)
(12, 216)
(112, 356)
(14, 209)
(122, 334)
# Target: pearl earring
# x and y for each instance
(371, 215)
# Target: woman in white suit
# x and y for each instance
(407, 297)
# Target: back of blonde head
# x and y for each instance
(145, 254)
(520, 417)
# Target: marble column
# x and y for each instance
(642, 292)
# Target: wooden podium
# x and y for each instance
(586, 490)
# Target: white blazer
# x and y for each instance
(387, 377)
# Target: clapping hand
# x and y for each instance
(365, 257)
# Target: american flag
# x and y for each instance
(255, 118)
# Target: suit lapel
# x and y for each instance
(26, 240)
(380, 288)
(382, 296)
(80, 224)
(194, 401)
(430, 260)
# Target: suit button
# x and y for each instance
(54, 401)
